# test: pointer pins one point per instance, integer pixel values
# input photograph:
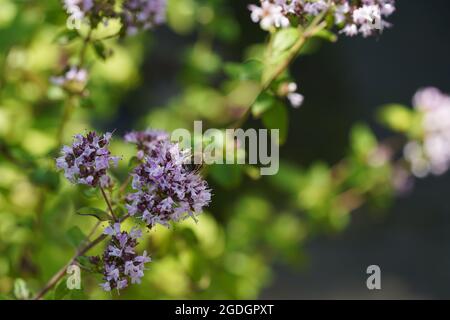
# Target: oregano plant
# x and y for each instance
(146, 215)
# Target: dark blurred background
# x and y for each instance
(344, 83)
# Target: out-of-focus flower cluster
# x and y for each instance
(289, 90)
(95, 11)
(87, 160)
(73, 80)
(166, 188)
(142, 14)
(121, 264)
(365, 17)
(431, 154)
(135, 15)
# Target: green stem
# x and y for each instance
(114, 217)
(60, 274)
(315, 26)
(83, 50)
(67, 113)
(84, 248)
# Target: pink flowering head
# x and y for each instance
(87, 160)
(142, 15)
(121, 265)
(351, 17)
(93, 11)
(146, 141)
(166, 188)
(367, 17)
(135, 15)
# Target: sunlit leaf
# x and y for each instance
(101, 215)
(277, 119)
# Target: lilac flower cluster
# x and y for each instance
(135, 15)
(74, 79)
(95, 11)
(146, 141)
(431, 154)
(364, 17)
(87, 160)
(143, 14)
(121, 264)
(166, 189)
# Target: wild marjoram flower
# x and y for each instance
(146, 141)
(166, 189)
(87, 160)
(94, 11)
(135, 15)
(431, 154)
(121, 264)
(365, 17)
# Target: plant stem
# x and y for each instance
(124, 186)
(70, 105)
(83, 50)
(315, 26)
(114, 217)
(80, 251)
(111, 36)
(68, 109)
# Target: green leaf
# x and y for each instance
(88, 191)
(75, 236)
(94, 212)
(288, 179)
(46, 178)
(327, 35)
(316, 189)
(87, 103)
(363, 140)
(66, 36)
(311, 46)
(285, 39)
(227, 176)
(189, 236)
(396, 117)
(61, 290)
(101, 51)
(244, 94)
(249, 70)
(134, 162)
(204, 59)
(277, 118)
(279, 51)
(4, 297)
(77, 295)
(181, 16)
(264, 102)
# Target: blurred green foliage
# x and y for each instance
(253, 222)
